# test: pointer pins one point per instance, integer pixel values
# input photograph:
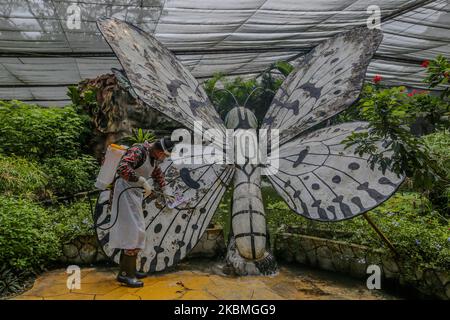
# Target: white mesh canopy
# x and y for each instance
(40, 55)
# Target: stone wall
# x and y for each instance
(85, 250)
(352, 259)
(82, 250)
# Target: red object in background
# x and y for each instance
(377, 78)
(425, 63)
(414, 92)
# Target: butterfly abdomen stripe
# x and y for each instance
(248, 217)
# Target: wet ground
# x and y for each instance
(203, 279)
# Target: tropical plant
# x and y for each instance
(139, 136)
(69, 176)
(9, 282)
(21, 177)
(28, 238)
(388, 112)
(34, 132)
(255, 93)
(438, 71)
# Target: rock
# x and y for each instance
(70, 251)
(341, 264)
(300, 256)
(358, 268)
(346, 250)
(325, 263)
(323, 252)
(88, 253)
(390, 265)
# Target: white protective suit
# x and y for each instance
(129, 230)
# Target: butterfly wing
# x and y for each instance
(326, 82)
(157, 77)
(321, 180)
(172, 233)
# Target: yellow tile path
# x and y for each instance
(203, 280)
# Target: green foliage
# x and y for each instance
(419, 234)
(42, 155)
(28, 238)
(72, 220)
(87, 99)
(222, 214)
(19, 176)
(9, 282)
(139, 136)
(438, 71)
(389, 113)
(284, 67)
(427, 113)
(438, 145)
(69, 176)
(31, 236)
(45, 149)
(34, 132)
(255, 94)
(234, 94)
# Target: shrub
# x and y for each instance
(417, 232)
(72, 220)
(388, 112)
(28, 238)
(31, 236)
(35, 132)
(19, 176)
(439, 145)
(69, 176)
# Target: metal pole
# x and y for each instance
(381, 234)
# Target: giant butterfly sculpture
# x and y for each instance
(317, 176)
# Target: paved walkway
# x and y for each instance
(204, 280)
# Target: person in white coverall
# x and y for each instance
(137, 166)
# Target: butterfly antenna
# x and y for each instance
(246, 100)
(226, 90)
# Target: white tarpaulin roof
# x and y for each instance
(40, 55)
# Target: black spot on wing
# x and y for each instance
(312, 90)
(292, 106)
(158, 228)
(357, 201)
(158, 249)
(268, 121)
(353, 166)
(186, 177)
(345, 209)
(384, 180)
(166, 261)
(173, 87)
(301, 157)
(320, 210)
(374, 194)
(336, 179)
(177, 257)
(194, 105)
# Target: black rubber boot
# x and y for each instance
(127, 271)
